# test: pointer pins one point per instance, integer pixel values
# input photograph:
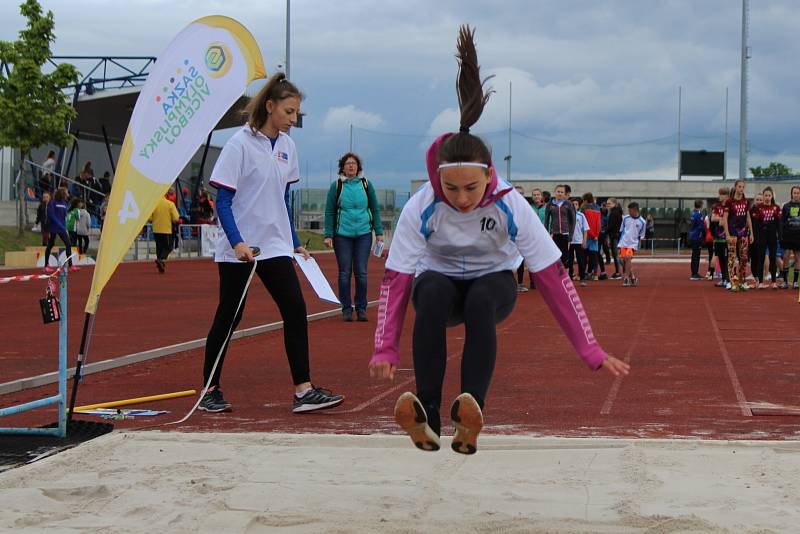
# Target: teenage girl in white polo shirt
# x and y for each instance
(454, 252)
(253, 174)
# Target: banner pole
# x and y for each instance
(88, 323)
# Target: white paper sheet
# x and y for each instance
(313, 273)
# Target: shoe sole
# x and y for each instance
(468, 420)
(411, 416)
(305, 408)
(212, 410)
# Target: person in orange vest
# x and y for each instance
(164, 216)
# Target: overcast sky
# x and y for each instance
(584, 75)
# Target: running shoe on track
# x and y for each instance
(315, 399)
(213, 401)
(411, 416)
(468, 420)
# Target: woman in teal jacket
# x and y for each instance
(351, 215)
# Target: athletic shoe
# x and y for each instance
(160, 266)
(634, 281)
(213, 401)
(521, 288)
(745, 287)
(595, 278)
(582, 283)
(796, 286)
(315, 399)
(603, 276)
(721, 283)
(783, 285)
(626, 283)
(49, 270)
(709, 275)
(749, 278)
(732, 287)
(762, 285)
(774, 285)
(347, 315)
(411, 416)
(695, 278)
(468, 420)
(362, 315)
(616, 276)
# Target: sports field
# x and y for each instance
(702, 436)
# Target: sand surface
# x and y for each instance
(179, 482)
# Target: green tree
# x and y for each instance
(773, 169)
(33, 108)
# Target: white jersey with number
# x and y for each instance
(258, 174)
(432, 236)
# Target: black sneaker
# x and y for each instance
(362, 315)
(213, 401)
(315, 399)
(616, 276)
(412, 418)
(347, 315)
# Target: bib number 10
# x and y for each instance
(487, 223)
(129, 208)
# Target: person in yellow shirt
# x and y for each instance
(164, 216)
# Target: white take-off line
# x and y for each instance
(614, 391)
(737, 386)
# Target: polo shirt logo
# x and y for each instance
(283, 157)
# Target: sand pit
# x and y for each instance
(176, 482)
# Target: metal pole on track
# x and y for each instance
(88, 324)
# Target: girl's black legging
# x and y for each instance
(757, 251)
(614, 251)
(721, 252)
(52, 241)
(280, 279)
(441, 302)
(577, 254)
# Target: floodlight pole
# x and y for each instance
(508, 158)
(679, 132)
(743, 92)
(725, 153)
(288, 9)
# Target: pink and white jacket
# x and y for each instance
(496, 236)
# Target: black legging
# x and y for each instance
(577, 254)
(613, 240)
(280, 279)
(757, 251)
(52, 241)
(562, 242)
(721, 252)
(441, 302)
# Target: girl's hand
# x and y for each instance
(616, 367)
(302, 250)
(243, 252)
(750, 239)
(328, 242)
(382, 370)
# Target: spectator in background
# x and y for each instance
(650, 230)
(577, 244)
(613, 230)
(790, 238)
(546, 197)
(697, 234)
(767, 219)
(738, 228)
(352, 214)
(756, 258)
(82, 226)
(594, 262)
(683, 229)
(718, 234)
(105, 184)
(604, 249)
(72, 218)
(559, 221)
(56, 226)
(539, 203)
(164, 216)
(47, 176)
(632, 231)
(41, 217)
(204, 207)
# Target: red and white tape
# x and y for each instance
(24, 278)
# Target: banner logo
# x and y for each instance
(218, 59)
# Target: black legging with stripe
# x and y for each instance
(280, 279)
(441, 302)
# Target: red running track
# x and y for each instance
(701, 357)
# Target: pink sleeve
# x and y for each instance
(556, 288)
(392, 304)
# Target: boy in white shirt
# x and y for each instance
(631, 232)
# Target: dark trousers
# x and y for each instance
(767, 243)
(442, 302)
(52, 241)
(562, 242)
(721, 252)
(756, 252)
(163, 245)
(280, 279)
(352, 254)
(82, 243)
(697, 247)
(614, 251)
(604, 250)
(577, 254)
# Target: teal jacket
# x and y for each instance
(356, 212)
(540, 211)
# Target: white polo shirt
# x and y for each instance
(432, 236)
(631, 232)
(258, 174)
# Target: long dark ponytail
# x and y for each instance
(464, 146)
(276, 89)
